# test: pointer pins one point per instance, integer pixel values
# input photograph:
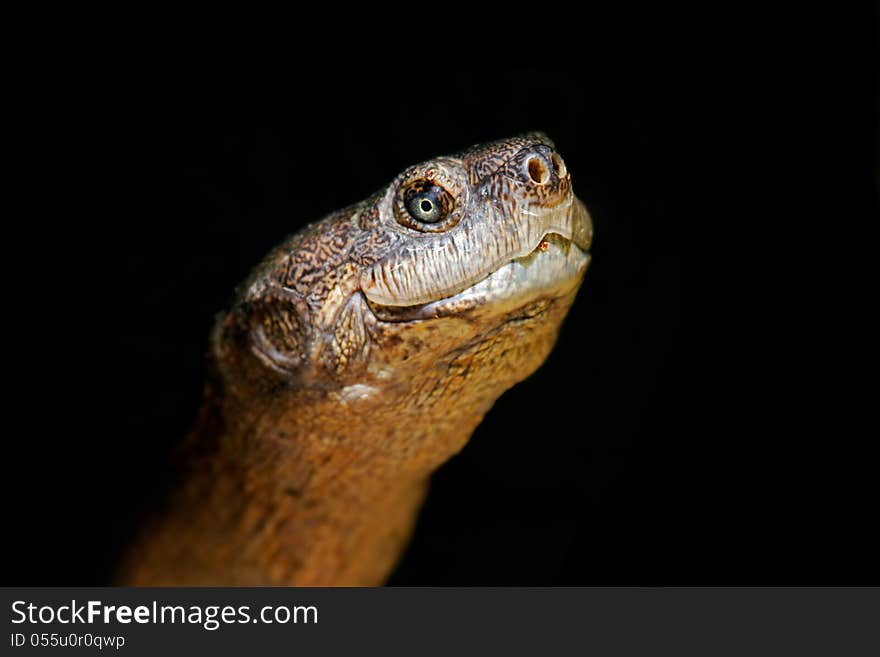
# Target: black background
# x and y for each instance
(605, 467)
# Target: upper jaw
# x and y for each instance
(582, 225)
(573, 224)
(449, 263)
(553, 267)
(553, 270)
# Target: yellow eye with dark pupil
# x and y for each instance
(427, 203)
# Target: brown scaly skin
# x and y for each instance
(359, 357)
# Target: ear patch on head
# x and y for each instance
(278, 333)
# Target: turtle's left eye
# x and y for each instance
(427, 202)
(424, 207)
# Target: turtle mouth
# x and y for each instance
(553, 269)
(428, 273)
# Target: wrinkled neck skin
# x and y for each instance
(354, 363)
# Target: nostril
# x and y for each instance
(558, 165)
(538, 171)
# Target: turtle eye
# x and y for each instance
(424, 207)
(426, 203)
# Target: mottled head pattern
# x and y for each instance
(443, 259)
